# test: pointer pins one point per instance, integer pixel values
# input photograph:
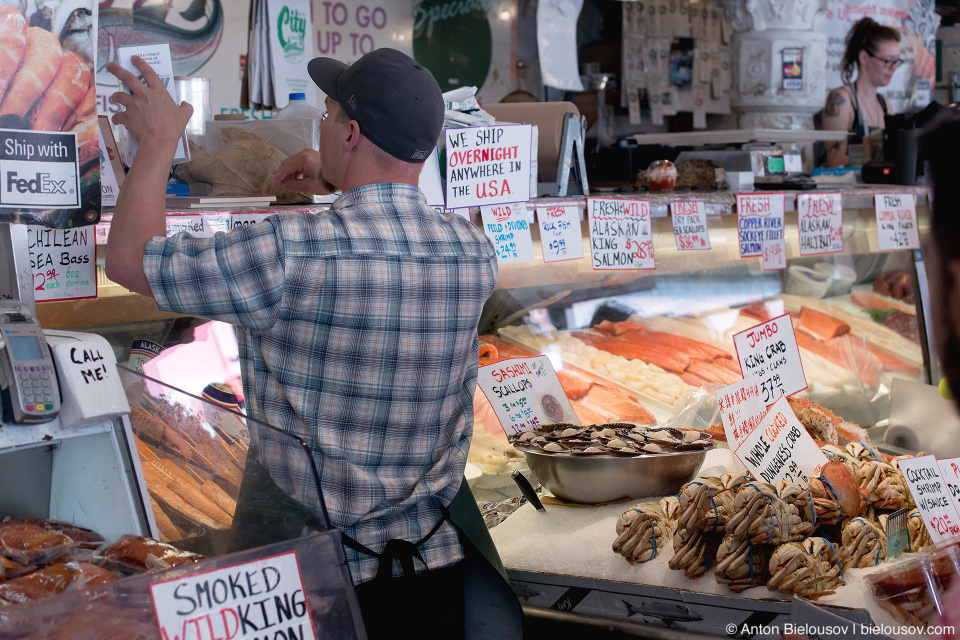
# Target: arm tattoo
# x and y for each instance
(833, 145)
(834, 101)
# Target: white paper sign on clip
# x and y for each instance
(690, 226)
(525, 393)
(925, 481)
(896, 222)
(769, 351)
(760, 228)
(741, 410)
(560, 236)
(820, 217)
(229, 602)
(507, 227)
(620, 234)
(781, 449)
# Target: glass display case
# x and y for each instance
(858, 314)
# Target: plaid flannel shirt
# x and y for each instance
(357, 330)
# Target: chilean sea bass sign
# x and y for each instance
(620, 234)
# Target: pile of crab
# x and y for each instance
(794, 539)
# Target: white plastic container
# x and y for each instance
(298, 109)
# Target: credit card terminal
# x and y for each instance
(30, 391)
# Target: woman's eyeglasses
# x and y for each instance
(889, 63)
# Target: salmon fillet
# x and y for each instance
(866, 365)
(712, 372)
(663, 357)
(820, 325)
(616, 328)
(619, 403)
(575, 384)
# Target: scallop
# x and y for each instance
(527, 436)
(690, 436)
(553, 447)
(616, 443)
(652, 448)
(594, 450)
(608, 433)
(570, 432)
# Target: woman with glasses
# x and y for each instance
(874, 50)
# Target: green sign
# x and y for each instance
(452, 38)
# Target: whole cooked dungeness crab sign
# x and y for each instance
(525, 393)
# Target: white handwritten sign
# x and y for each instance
(560, 233)
(507, 227)
(741, 410)
(821, 223)
(64, 263)
(781, 449)
(620, 235)
(195, 225)
(235, 602)
(525, 393)
(247, 219)
(760, 228)
(488, 165)
(769, 351)
(690, 226)
(896, 222)
(926, 484)
(950, 469)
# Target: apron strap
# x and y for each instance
(396, 549)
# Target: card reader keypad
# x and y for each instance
(37, 387)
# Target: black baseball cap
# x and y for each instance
(395, 100)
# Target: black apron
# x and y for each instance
(265, 514)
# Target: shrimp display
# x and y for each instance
(39, 64)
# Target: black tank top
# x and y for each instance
(861, 129)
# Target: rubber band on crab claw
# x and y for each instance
(836, 557)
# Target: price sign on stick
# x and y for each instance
(235, 601)
(950, 470)
(741, 410)
(620, 234)
(769, 351)
(507, 227)
(896, 222)
(781, 449)
(821, 223)
(690, 226)
(525, 393)
(930, 492)
(560, 233)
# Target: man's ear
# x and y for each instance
(353, 136)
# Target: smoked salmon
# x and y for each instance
(663, 357)
(617, 328)
(845, 354)
(820, 325)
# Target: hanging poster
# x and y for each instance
(291, 47)
(48, 108)
(557, 43)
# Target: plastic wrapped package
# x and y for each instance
(242, 158)
(913, 590)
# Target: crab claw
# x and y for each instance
(844, 485)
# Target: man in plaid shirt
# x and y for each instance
(357, 326)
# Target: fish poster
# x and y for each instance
(50, 151)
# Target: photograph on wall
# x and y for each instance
(48, 113)
(681, 62)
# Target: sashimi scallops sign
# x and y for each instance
(525, 393)
(488, 165)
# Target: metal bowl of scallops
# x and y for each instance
(590, 464)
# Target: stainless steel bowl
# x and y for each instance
(590, 479)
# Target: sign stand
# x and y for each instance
(574, 136)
